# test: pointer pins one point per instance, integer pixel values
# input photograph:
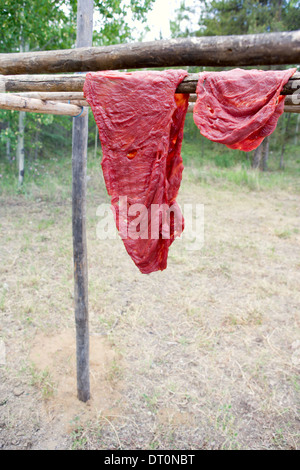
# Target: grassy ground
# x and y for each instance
(204, 355)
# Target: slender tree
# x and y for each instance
(285, 129)
(297, 130)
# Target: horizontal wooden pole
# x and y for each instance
(290, 100)
(78, 97)
(53, 96)
(292, 109)
(74, 107)
(74, 83)
(82, 102)
(211, 51)
(18, 103)
(287, 108)
(41, 83)
(33, 105)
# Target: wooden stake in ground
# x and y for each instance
(79, 168)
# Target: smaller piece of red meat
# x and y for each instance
(239, 108)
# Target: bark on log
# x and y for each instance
(292, 100)
(62, 107)
(79, 171)
(287, 108)
(257, 156)
(53, 96)
(42, 83)
(292, 109)
(82, 102)
(33, 105)
(76, 97)
(74, 83)
(216, 51)
(23, 102)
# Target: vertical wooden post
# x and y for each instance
(79, 168)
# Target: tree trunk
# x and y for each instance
(8, 153)
(96, 141)
(266, 153)
(297, 130)
(202, 147)
(20, 147)
(284, 136)
(36, 139)
(257, 156)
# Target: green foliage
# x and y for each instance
(51, 24)
(50, 178)
(225, 17)
(246, 17)
(40, 24)
(112, 19)
(198, 151)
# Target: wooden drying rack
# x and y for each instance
(22, 90)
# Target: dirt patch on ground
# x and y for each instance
(204, 355)
(54, 360)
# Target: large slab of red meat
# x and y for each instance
(239, 108)
(140, 121)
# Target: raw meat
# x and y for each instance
(239, 108)
(140, 121)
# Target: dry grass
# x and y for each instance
(204, 355)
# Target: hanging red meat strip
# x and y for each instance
(239, 108)
(140, 121)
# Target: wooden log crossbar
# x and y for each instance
(74, 83)
(33, 105)
(78, 106)
(78, 97)
(211, 51)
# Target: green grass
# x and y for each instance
(211, 164)
(43, 381)
(2, 300)
(48, 179)
(219, 166)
